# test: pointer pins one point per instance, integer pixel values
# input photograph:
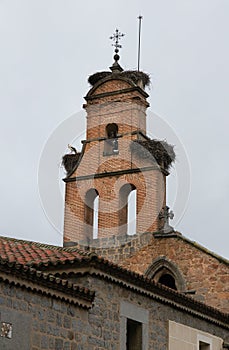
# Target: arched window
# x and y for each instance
(168, 280)
(167, 273)
(111, 143)
(91, 213)
(132, 212)
(128, 209)
(112, 130)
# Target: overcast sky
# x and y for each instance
(48, 49)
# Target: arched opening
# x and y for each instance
(112, 130)
(96, 218)
(168, 281)
(167, 273)
(111, 143)
(132, 212)
(91, 213)
(128, 209)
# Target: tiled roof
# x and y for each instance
(35, 254)
(45, 283)
(18, 255)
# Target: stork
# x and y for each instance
(72, 149)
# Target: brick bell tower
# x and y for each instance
(117, 160)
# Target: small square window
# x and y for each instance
(203, 346)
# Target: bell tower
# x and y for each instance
(117, 160)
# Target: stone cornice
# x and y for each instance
(46, 284)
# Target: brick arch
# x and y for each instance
(111, 130)
(110, 83)
(162, 266)
(111, 142)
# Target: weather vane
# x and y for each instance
(116, 38)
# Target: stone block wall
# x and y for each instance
(107, 323)
(41, 322)
(203, 272)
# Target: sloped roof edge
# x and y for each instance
(134, 86)
(45, 283)
(105, 269)
(178, 235)
(110, 271)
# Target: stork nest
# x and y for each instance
(69, 161)
(133, 75)
(161, 151)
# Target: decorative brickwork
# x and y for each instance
(106, 166)
(120, 101)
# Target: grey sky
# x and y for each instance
(48, 49)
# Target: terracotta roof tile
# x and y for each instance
(18, 254)
(47, 280)
(32, 253)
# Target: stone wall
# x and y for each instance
(105, 316)
(203, 272)
(40, 322)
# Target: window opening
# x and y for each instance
(133, 335)
(96, 217)
(134, 327)
(168, 281)
(91, 213)
(161, 266)
(128, 209)
(203, 346)
(131, 212)
(111, 143)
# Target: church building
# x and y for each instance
(124, 278)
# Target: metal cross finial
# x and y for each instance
(116, 37)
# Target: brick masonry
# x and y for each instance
(112, 102)
(201, 270)
(128, 111)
